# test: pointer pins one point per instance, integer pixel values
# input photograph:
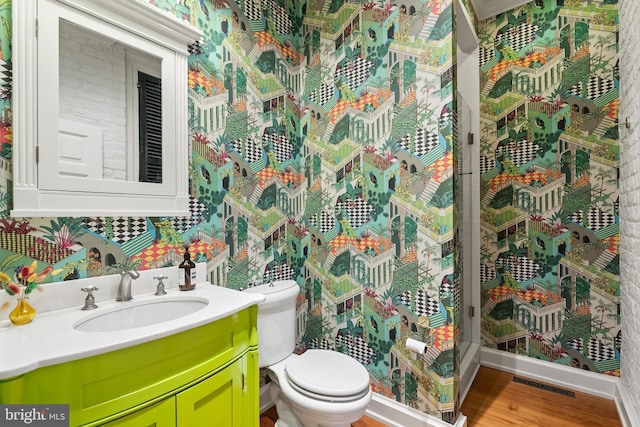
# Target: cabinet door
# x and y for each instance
(216, 401)
(161, 414)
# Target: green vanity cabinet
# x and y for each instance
(223, 399)
(192, 378)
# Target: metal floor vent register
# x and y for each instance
(542, 386)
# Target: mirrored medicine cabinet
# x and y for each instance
(99, 109)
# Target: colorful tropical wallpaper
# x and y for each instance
(550, 172)
(322, 140)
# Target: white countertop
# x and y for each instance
(51, 339)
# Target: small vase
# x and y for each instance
(23, 313)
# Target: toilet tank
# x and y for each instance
(276, 321)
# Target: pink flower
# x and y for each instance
(41, 276)
(15, 289)
(389, 304)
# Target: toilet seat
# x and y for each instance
(327, 376)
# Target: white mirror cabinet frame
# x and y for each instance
(102, 197)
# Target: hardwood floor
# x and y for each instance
(269, 418)
(497, 400)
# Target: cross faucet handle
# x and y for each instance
(160, 289)
(89, 301)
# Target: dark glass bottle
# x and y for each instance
(188, 282)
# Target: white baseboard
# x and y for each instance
(385, 410)
(469, 366)
(265, 398)
(395, 414)
(624, 401)
(552, 373)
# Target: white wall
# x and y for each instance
(629, 12)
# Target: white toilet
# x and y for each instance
(316, 388)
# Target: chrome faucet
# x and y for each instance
(124, 289)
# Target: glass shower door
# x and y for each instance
(468, 217)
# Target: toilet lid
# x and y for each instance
(327, 373)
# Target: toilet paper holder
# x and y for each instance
(416, 346)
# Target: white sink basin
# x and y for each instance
(135, 315)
